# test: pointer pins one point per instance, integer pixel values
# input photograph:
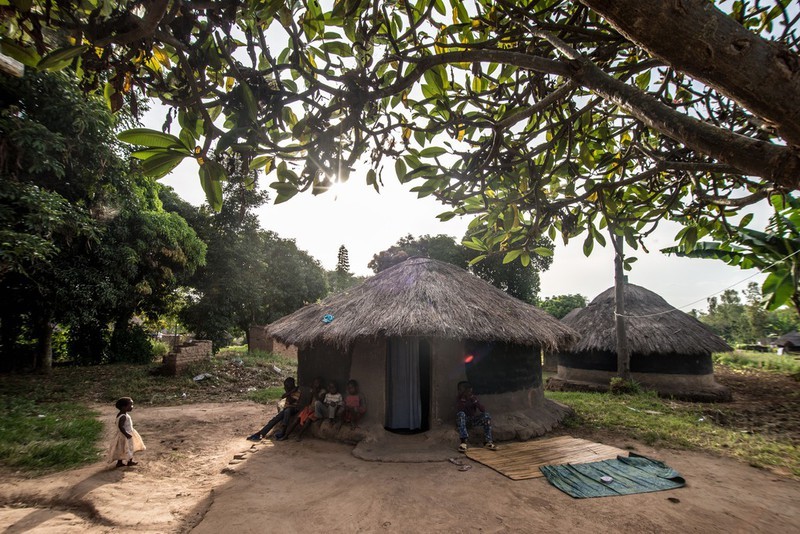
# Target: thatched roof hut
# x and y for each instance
(412, 332)
(670, 350)
(790, 342)
(424, 298)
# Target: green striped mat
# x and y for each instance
(628, 475)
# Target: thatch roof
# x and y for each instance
(654, 328)
(792, 338)
(425, 298)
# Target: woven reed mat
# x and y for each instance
(520, 461)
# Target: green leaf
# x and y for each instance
(249, 101)
(525, 259)
(511, 256)
(159, 165)
(780, 286)
(372, 179)
(476, 259)
(58, 59)
(211, 186)
(588, 245)
(337, 48)
(265, 161)
(543, 251)
(432, 152)
(147, 153)
(475, 244)
(151, 138)
(26, 55)
(187, 139)
(400, 169)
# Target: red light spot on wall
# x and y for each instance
(469, 358)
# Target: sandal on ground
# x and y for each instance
(462, 447)
(491, 446)
(464, 467)
(455, 461)
(254, 437)
(131, 462)
(120, 463)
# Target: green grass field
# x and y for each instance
(767, 361)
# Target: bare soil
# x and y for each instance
(200, 475)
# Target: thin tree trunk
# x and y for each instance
(44, 345)
(623, 351)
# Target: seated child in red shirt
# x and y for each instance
(355, 405)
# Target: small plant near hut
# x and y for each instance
(620, 386)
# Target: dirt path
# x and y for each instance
(186, 482)
(189, 447)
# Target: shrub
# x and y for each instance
(130, 345)
(620, 386)
(160, 349)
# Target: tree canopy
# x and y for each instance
(252, 276)
(538, 117)
(85, 241)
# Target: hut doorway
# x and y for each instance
(408, 385)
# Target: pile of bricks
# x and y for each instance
(186, 354)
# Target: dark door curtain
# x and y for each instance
(403, 381)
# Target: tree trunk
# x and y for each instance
(623, 351)
(698, 39)
(44, 345)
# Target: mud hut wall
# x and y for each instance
(498, 367)
(368, 367)
(326, 361)
(659, 381)
(257, 339)
(675, 364)
(447, 370)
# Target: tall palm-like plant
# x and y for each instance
(775, 251)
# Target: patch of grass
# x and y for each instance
(237, 349)
(40, 438)
(260, 358)
(659, 422)
(767, 361)
(266, 395)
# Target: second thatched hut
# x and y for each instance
(409, 334)
(670, 351)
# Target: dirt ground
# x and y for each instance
(200, 475)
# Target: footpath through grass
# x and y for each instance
(660, 422)
(46, 423)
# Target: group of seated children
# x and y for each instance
(320, 403)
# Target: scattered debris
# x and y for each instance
(202, 376)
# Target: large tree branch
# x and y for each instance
(700, 40)
(779, 164)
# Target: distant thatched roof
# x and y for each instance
(425, 298)
(649, 330)
(792, 338)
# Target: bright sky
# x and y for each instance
(354, 215)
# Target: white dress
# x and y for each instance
(122, 448)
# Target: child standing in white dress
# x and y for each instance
(127, 440)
